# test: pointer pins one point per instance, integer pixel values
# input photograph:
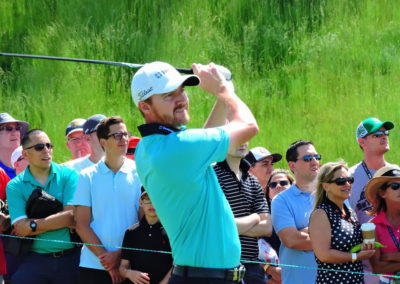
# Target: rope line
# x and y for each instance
(168, 252)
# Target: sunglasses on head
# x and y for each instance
(394, 186)
(118, 136)
(378, 134)
(308, 158)
(11, 128)
(342, 181)
(40, 146)
(281, 183)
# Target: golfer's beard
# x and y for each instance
(171, 120)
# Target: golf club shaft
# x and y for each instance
(123, 64)
(225, 71)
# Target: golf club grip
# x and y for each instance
(225, 71)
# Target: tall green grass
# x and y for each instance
(307, 69)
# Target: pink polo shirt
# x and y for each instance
(383, 234)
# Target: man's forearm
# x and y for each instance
(262, 229)
(244, 224)
(88, 236)
(54, 222)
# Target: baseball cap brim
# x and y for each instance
(172, 85)
(388, 125)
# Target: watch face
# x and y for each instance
(33, 225)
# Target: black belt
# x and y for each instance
(59, 254)
(234, 274)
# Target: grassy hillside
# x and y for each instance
(307, 69)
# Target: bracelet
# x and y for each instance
(353, 257)
(266, 267)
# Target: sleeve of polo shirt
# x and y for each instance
(207, 146)
(83, 194)
(260, 204)
(281, 214)
(16, 201)
(71, 179)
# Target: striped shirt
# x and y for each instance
(245, 196)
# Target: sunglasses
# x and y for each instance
(281, 183)
(20, 159)
(11, 128)
(308, 158)
(342, 181)
(40, 147)
(394, 186)
(118, 136)
(379, 134)
(131, 151)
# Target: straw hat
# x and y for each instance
(382, 176)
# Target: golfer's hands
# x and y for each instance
(138, 277)
(211, 80)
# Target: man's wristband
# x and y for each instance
(353, 257)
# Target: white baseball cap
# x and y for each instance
(158, 78)
(15, 155)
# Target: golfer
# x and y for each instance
(174, 165)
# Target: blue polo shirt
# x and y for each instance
(175, 168)
(61, 184)
(292, 208)
(114, 202)
(9, 171)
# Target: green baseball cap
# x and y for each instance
(370, 125)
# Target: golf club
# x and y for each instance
(225, 71)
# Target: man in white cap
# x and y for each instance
(18, 161)
(260, 163)
(96, 152)
(76, 143)
(174, 165)
(11, 132)
(373, 138)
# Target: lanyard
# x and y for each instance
(394, 238)
(366, 170)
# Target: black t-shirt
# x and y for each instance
(147, 237)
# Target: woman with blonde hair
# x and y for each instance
(334, 228)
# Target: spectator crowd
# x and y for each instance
(192, 205)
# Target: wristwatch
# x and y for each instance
(353, 257)
(33, 226)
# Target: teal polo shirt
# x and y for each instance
(61, 184)
(174, 167)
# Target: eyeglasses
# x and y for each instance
(131, 151)
(342, 181)
(281, 183)
(146, 201)
(118, 136)
(394, 186)
(76, 140)
(40, 146)
(308, 158)
(11, 128)
(379, 134)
